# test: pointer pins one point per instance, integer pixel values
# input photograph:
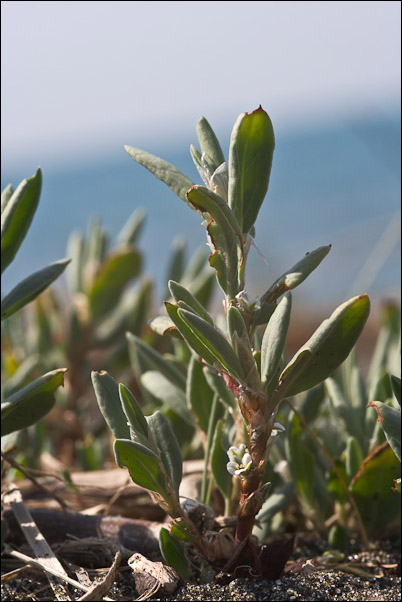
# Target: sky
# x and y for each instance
(79, 78)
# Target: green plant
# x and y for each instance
(232, 362)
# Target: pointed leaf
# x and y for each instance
(296, 274)
(219, 460)
(169, 174)
(174, 554)
(209, 144)
(29, 288)
(390, 421)
(108, 398)
(199, 393)
(117, 270)
(179, 293)
(250, 158)
(327, 348)
(167, 393)
(216, 344)
(17, 216)
(32, 402)
(142, 464)
(168, 447)
(133, 411)
(273, 341)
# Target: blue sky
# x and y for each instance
(80, 77)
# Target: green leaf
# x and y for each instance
(327, 348)
(29, 288)
(216, 344)
(372, 490)
(168, 447)
(108, 398)
(115, 273)
(396, 387)
(295, 275)
(144, 358)
(199, 393)
(250, 158)
(301, 459)
(345, 410)
(389, 420)
(132, 229)
(176, 261)
(209, 144)
(170, 175)
(163, 325)
(174, 554)
(219, 460)
(167, 393)
(6, 195)
(142, 464)
(133, 411)
(275, 502)
(218, 385)
(354, 457)
(273, 341)
(225, 237)
(17, 217)
(32, 402)
(179, 293)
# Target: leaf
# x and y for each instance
(32, 402)
(145, 358)
(170, 175)
(219, 460)
(133, 411)
(167, 393)
(275, 502)
(345, 410)
(251, 151)
(216, 344)
(17, 216)
(301, 459)
(180, 293)
(389, 420)
(29, 288)
(163, 325)
(354, 457)
(174, 554)
(218, 385)
(396, 387)
(168, 447)
(209, 144)
(142, 464)
(273, 341)
(199, 393)
(225, 237)
(115, 273)
(132, 229)
(295, 275)
(372, 490)
(327, 348)
(6, 195)
(108, 398)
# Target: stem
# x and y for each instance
(336, 470)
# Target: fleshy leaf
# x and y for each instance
(250, 158)
(209, 144)
(168, 173)
(142, 464)
(27, 405)
(273, 341)
(17, 216)
(296, 274)
(116, 271)
(167, 393)
(396, 388)
(133, 411)
(168, 447)
(389, 420)
(29, 288)
(174, 554)
(216, 344)
(327, 348)
(199, 393)
(179, 293)
(108, 398)
(219, 459)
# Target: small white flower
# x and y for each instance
(278, 428)
(245, 301)
(240, 460)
